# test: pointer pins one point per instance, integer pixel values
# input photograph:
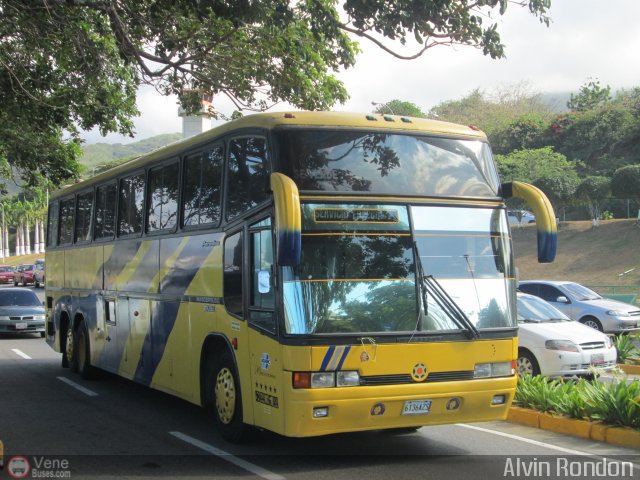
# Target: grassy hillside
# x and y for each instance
(589, 255)
(101, 153)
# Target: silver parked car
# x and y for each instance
(21, 312)
(586, 306)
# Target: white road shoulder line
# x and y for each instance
(20, 353)
(250, 467)
(82, 389)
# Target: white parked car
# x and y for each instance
(549, 343)
(520, 217)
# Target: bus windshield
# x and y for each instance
(387, 163)
(358, 271)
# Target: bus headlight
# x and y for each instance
(323, 380)
(498, 369)
(345, 378)
(348, 379)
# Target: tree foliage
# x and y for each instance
(626, 182)
(559, 188)
(494, 112)
(590, 96)
(69, 64)
(400, 107)
(594, 190)
(532, 165)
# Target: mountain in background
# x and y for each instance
(101, 153)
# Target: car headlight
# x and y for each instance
(617, 313)
(4, 317)
(608, 342)
(38, 317)
(564, 345)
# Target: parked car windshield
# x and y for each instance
(19, 297)
(5, 269)
(581, 292)
(534, 309)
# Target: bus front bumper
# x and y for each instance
(326, 411)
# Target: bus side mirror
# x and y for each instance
(288, 222)
(545, 217)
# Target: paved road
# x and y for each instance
(111, 427)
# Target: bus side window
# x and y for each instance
(233, 274)
(247, 172)
(131, 205)
(105, 212)
(262, 301)
(52, 229)
(67, 210)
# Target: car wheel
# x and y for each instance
(592, 322)
(226, 399)
(527, 364)
(36, 284)
(83, 352)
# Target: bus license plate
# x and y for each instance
(416, 407)
(21, 326)
(597, 359)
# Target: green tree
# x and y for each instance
(523, 133)
(594, 190)
(531, 165)
(590, 96)
(626, 182)
(493, 112)
(69, 64)
(400, 107)
(560, 189)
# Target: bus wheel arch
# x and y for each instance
(67, 341)
(220, 388)
(527, 363)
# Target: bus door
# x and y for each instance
(266, 353)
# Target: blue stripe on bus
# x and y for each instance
(344, 357)
(163, 318)
(327, 358)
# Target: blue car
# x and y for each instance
(21, 311)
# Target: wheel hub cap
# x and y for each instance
(225, 395)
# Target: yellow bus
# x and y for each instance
(307, 273)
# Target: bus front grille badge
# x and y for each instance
(419, 373)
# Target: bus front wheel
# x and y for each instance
(227, 402)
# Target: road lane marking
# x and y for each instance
(84, 390)
(534, 442)
(250, 467)
(20, 353)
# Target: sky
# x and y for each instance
(587, 39)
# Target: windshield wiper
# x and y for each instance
(429, 285)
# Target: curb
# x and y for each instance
(621, 436)
(629, 369)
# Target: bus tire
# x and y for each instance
(83, 352)
(69, 357)
(226, 400)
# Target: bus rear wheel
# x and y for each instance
(69, 350)
(227, 402)
(83, 352)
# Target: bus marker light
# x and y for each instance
(301, 379)
(320, 412)
(498, 399)
(289, 115)
(234, 343)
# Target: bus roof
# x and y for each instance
(374, 121)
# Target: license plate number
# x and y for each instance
(21, 326)
(416, 407)
(597, 359)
